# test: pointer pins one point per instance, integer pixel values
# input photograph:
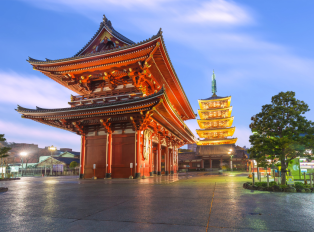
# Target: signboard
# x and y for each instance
(290, 180)
(303, 170)
(198, 165)
(131, 165)
(94, 166)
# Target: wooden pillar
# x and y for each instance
(159, 156)
(109, 155)
(151, 156)
(82, 160)
(210, 163)
(138, 154)
(171, 161)
(202, 164)
(167, 163)
(220, 162)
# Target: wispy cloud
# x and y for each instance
(218, 11)
(43, 136)
(31, 91)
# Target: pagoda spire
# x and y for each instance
(214, 87)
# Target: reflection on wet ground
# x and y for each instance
(184, 202)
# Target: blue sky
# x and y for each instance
(257, 48)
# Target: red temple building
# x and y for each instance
(130, 106)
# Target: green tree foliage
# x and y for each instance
(3, 149)
(277, 132)
(73, 164)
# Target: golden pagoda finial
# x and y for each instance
(214, 87)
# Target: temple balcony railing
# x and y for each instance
(100, 100)
(104, 94)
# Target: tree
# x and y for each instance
(73, 164)
(281, 132)
(3, 151)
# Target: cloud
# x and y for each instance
(218, 11)
(31, 91)
(28, 134)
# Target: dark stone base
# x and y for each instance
(137, 175)
(3, 189)
(171, 172)
(108, 175)
(151, 174)
(81, 176)
(158, 173)
(154, 172)
(166, 173)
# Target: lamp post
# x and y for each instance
(51, 149)
(22, 154)
(231, 155)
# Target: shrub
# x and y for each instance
(272, 183)
(73, 164)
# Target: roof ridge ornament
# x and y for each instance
(214, 87)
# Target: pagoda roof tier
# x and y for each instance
(217, 141)
(215, 98)
(220, 113)
(215, 133)
(148, 60)
(207, 102)
(221, 122)
(75, 118)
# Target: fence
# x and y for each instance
(43, 171)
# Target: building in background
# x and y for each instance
(209, 161)
(192, 147)
(130, 108)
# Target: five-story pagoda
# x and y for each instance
(215, 119)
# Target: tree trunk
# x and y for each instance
(283, 170)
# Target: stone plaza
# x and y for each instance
(191, 202)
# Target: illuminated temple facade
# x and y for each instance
(129, 107)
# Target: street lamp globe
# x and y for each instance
(52, 148)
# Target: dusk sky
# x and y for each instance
(257, 49)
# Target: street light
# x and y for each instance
(22, 154)
(51, 149)
(231, 155)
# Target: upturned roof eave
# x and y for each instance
(27, 111)
(93, 55)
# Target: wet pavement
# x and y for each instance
(194, 202)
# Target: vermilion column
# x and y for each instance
(109, 154)
(159, 157)
(151, 156)
(171, 161)
(82, 161)
(167, 161)
(138, 154)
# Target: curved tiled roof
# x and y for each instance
(213, 98)
(41, 110)
(34, 61)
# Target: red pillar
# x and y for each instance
(167, 160)
(171, 161)
(82, 161)
(220, 162)
(159, 156)
(202, 164)
(151, 156)
(210, 163)
(109, 155)
(138, 154)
